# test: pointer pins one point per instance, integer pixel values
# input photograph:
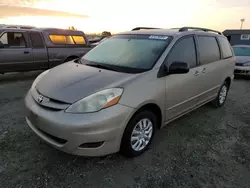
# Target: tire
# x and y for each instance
(218, 102)
(127, 145)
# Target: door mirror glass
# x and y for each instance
(178, 68)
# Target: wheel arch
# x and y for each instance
(69, 58)
(228, 80)
(154, 108)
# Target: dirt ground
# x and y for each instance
(206, 148)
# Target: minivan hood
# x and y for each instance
(242, 59)
(71, 82)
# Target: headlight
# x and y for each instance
(96, 101)
(38, 78)
(247, 64)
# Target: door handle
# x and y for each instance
(197, 73)
(204, 70)
(26, 52)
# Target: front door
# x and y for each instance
(183, 91)
(16, 54)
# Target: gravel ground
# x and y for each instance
(206, 148)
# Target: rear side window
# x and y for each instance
(36, 40)
(225, 48)
(67, 40)
(183, 51)
(61, 39)
(79, 39)
(208, 49)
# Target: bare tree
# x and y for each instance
(72, 28)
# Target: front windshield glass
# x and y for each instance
(241, 51)
(128, 53)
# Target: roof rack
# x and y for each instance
(3, 26)
(140, 28)
(198, 28)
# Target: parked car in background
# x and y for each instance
(97, 43)
(95, 39)
(238, 36)
(98, 39)
(242, 54)
(119, 93)
(32, 49)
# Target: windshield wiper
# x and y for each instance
(101, 66)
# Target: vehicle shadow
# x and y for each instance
(19, 76)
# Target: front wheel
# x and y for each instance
(138, 134)
(220, 100)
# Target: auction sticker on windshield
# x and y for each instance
(158, 37)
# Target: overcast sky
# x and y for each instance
(119, 15)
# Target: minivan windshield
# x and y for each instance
(127, 53)
(241, 51)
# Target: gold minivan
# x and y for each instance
(122, 91)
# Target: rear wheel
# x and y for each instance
(138, 134)
(220, 100)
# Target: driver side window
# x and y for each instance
(183, 51)
(13, 40)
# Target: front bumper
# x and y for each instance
(241, 70)
(92, 134)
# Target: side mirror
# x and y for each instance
(178, 68)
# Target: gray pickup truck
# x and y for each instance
(35, 49)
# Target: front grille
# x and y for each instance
(49, 108)
(49, 103)
(239, 64)
(35, 121)
(241, 72)
(54, 138)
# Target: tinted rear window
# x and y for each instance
(67, 39)
(208, 49)
(36, 40)
(225, 48)
(79, 39)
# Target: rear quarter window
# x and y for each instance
(67, 39)
(79, 39)
(208, 49)
(225, 48)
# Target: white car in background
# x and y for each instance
(242, 55)
(97, 43)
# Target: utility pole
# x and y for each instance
(242, 21)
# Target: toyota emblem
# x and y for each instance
(40, 99)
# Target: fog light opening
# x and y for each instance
(91, 145)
